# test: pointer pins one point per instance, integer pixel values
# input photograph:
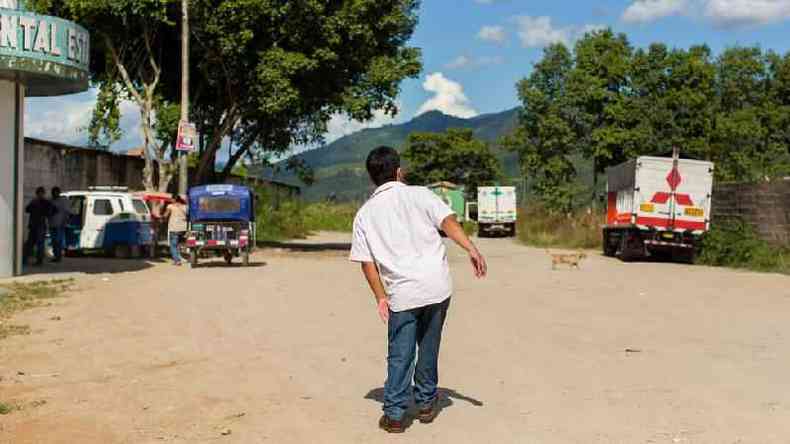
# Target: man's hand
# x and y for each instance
(455, 231)
(384, 310)
(478, 263)
(374, 280)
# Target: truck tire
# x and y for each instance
(609, 250)
(228, 257)
(482, 230)
(631, 251)
(511, 230)
(121, 251)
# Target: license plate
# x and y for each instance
(497, 227)
(694, 212)
(668, 235)
(647, 208)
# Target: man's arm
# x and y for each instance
(371, 273)
(455, 231)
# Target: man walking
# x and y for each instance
(396, 239)
(38, 210)
(58, 222)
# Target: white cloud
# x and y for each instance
(747, 12)
(536, 32)
(448, 98)
(464, 61)
(341, 125)
(725, 13)
(495, 34)
(644, 11)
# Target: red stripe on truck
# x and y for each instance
(665, 223)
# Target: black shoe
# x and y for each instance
(426, 415)
(390, 425)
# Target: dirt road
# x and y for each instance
(291, 351)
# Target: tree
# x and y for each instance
(271, 75)
(454, 156)
(128, 47)
(544, 138)
(264, 75)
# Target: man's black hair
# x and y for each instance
(56, 192)
(41, 190)
(383, 163)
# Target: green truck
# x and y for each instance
(452, 195)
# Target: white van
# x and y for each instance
(108, 219)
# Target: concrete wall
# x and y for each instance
(765, 206)
(49, 164)
(11, 113)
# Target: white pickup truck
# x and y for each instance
(657, 204)
(496, 210)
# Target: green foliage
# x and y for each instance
(541, 227)
(735, 244)
(326, 216)
(455, 156)
(289, 218)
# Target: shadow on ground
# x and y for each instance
(220, 263)
(446, 398)
(307, 247)
(89, 265)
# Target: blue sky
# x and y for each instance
(474, 51)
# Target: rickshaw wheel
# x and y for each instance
(245, 257)
(193, 259)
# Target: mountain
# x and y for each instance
(340, 166)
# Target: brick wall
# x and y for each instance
(765, 206)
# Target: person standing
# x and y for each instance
(38, 210)
(58, 222)
(404, 260)
(176, 214)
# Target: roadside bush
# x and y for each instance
(327, 216)
(540, 227)
(293, 219)
(735, 244)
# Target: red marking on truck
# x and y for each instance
(674, 179)
(661, 222)
(661, 198)
(684, 199)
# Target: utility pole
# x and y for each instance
(183, 164)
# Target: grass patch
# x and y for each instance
(7, 408)
(17, 297)
(330, 217)
(540, 228)
(292, 219)
(735, 244)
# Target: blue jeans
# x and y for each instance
(58, 237)
(408, 330)
(175, 237)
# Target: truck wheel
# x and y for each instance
(193, 258)
(609, 250)
(228, 257)
(630, 250)
(245, 257)
(482, 230)
(684, 255)
(511, 231)
(121, 251)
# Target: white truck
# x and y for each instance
(657, 204)
(496, 210)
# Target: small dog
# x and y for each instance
(572, 260)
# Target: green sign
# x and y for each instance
(48, 54)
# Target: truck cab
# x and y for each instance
(108, 219)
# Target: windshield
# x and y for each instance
(140, 207)
(215, 204)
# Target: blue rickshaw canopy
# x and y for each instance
(221, 203)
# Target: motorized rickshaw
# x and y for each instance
(222, 220)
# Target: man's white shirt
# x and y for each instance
(397, 229)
